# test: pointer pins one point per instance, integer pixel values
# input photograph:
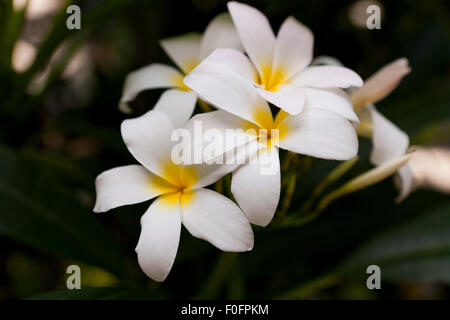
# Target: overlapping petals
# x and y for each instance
(315, 131)
(281, 62)
(179, 191)
(316, 118)
(186, 51)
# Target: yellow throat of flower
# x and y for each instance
(269, 131)
(178, 190)
(270, 79)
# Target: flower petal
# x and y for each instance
(319, 133)
(374, 175)
(228, 91)
(331, 99)
(288, 97)
(221, 132)
(127, 185)
(389, 141)
(293, 47)
(255, 32)
(405, 181)
(178, 105)
(235, 61)
(149, 77)
(216, 168)
(220, 33)
(210, 216)
(380, 84)
(256, 187)
(183, 50)
(160, 236)
(148, 140)
(327, 77)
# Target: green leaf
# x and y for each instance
(418, 250)
(105, 293)
(40, 210)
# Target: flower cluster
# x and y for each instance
(259, 82)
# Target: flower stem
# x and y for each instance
(218, 276)
(332, 177)
(289, 192)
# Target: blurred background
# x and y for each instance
(59, 128)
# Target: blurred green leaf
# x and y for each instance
(418, 250)
(39, 210)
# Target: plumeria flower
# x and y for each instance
(317, 131)
(179, 191)
(278, 66)
(389, 142)
(186, 51)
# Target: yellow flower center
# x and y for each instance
(177, 81)
(181, 178)
(271, 79)
(268, 130)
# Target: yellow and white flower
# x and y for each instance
(317, 131)
(179, 191)
(278, 66)
(186, 51)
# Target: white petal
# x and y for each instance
(405, 181)
(160, 236)
(149, 77)
(220, 33)
(148, 139)
(287, 97)
(255, 32)
(380, 84)
(210, 216)
(228, 91)
(183, 50)
(178, 105)
(228, 128)
(331, 99)
(234, 61)
(327, 77)
(127, 185)
(256, 187)
(389, 141)
(319, 133)
(293, 47)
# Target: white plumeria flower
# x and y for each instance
(181, 198)
(389, 142)
(186, 51)
(430, 167)
(278, 66)
(317, 131)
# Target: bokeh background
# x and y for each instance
(59, 128)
